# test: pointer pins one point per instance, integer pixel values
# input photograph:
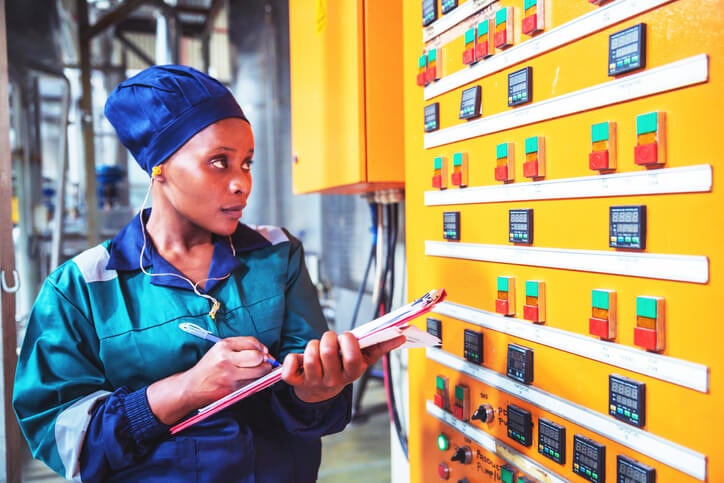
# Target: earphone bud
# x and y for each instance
(156, 171)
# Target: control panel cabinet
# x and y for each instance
(581, 248)
(346, 96)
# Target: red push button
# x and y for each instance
(530, 24)
(443, 471)
(501, 38)
(482, 50)
(599, 327)
(646, 154)
(598, 160)
(437, 181)
(646, 338)
(456, 179)
(530, 312)
(530, 169)
(501, 173)
(501, 306)
(439, 401)
(421, 79)
(469, 56)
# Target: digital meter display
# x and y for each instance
(470, 103)
(434, 327)
(589, 459)
(473, 346)
(520, 425)
(451, 225)
(429, 12)
(520, 224)
(432, 117)
(627, 227)
(552, 440)
(631, 471)
(448, 5)
(627, 400)
(520, 363)
(519, 86)
(627, 50)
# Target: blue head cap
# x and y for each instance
(156, 111)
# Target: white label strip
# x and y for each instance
(669, 369)
(457, 15)
(681, 268)
(577, 28)
(660, 449)
(682, 73)
(687, 179)
(493, 445)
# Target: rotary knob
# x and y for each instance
(463, 454)
(485, 413)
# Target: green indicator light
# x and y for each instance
(483, 28)
(443, 443)
(470, 36)
(599, 299)
(646, 123)
(646, 307)
(501, 16)
(502, 284)
(501, 151)
(599, 132)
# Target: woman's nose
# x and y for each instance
(241, 184)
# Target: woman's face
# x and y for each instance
(208, 180)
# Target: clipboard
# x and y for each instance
(383, 328)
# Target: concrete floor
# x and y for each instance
(359, 454)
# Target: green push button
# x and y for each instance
(599, 132)
(646, 123)
(646, 307)
(531, 288)
(502, 284)
(531, 145)
(501, 151)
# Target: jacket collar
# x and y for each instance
(125, 252)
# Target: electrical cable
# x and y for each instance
(387, 367)
(370, 260)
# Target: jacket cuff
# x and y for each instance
(142, 423)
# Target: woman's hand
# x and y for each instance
(331, 363)
(230, 364)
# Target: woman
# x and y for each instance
(104, 369)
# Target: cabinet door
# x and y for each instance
(346, 95)
(327, 93)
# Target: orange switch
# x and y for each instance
(535, 160)
(459, 175)
(504, 27)
(434, 65)
(485, 43)
(421, 69)
(649, 330)
(650, 147)
(504, 162)
(439, 174)
(461, 406)
(603, 314)
(533, 16)
(603, 147)
(505, 302)
(469, 49)
(535, 301)
(442, 395)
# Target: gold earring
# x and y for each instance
(156, 171)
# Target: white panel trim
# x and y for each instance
(667, 452)
(454, 17)
(682, 73)
(494, 445)
(687, 179)
(681, 268)
(577, 28)
(676, 371)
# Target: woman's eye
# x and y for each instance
(219, 163)
(246, 165)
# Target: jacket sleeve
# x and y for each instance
(62, 399)
(305, 321)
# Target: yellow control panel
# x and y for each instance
(563, 184)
